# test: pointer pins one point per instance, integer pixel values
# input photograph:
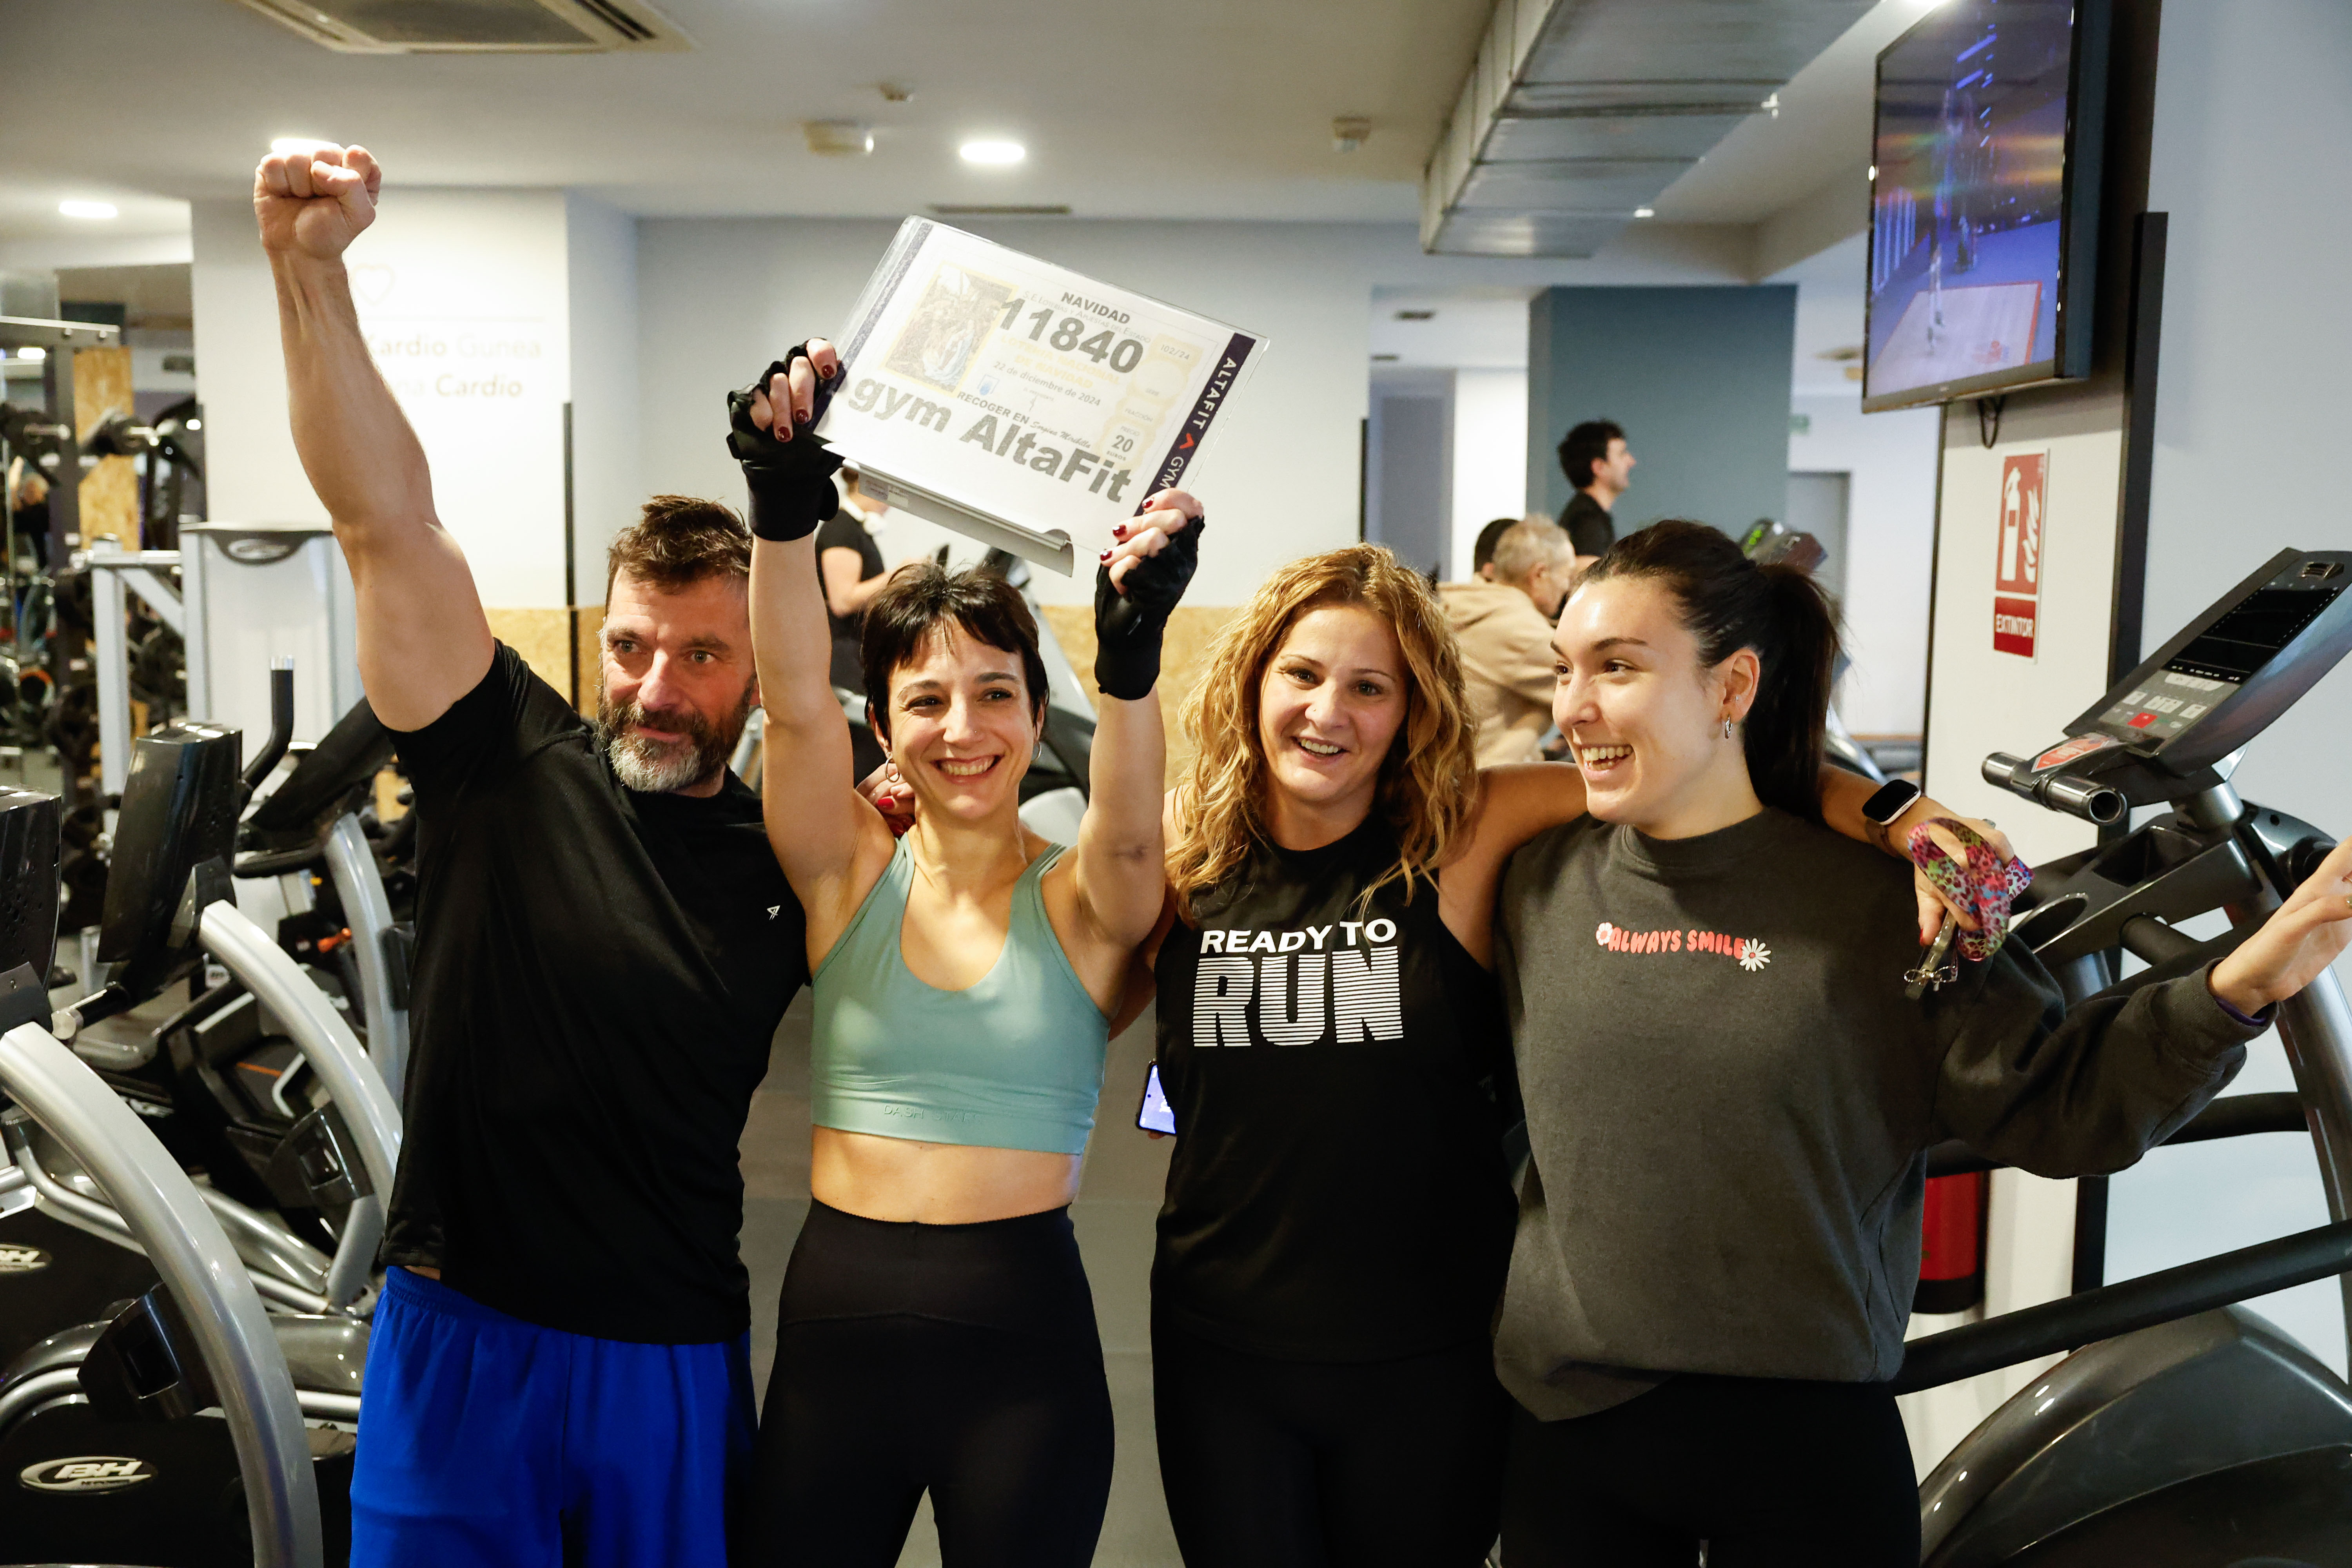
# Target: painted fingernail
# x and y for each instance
(1119, 532)
(1105, 555)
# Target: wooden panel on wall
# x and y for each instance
(110, 492)
(543, 638)
(1184, 656)
(588, 638)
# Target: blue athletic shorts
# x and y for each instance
(485, 1441)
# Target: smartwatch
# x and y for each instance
(1891, 801)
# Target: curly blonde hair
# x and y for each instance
(1429, 781)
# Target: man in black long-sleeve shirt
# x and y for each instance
(1594, 456)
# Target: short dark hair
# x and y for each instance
(676, 542)
(1586, 445)
(1483, 551)
(921, 600)
(1728, 602)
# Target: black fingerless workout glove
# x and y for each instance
(1129, 627)
(791, 481)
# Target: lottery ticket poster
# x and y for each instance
(1018, 402)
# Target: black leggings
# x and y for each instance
(1282, 1464)
(1770, 1473)
(957, 1359)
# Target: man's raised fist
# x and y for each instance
(314, 201)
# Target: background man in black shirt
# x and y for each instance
(1594, 457)
(849, 565)
(559, 1369)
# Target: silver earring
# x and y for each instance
(1726, 726)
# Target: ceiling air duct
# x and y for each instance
(1578, 113)
(477, 26)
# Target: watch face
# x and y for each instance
(1892, 801)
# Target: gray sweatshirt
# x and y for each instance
(1729, 1098)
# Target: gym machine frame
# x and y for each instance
(2178, 1382)
(165, 1214)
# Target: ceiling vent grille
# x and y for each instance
(477, 26)
(1578, 113)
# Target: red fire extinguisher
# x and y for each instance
(1951, 1244)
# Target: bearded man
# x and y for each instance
(558, 1371)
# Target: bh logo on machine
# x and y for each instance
(23, 1260)
(1347, 985)
(86, 1473)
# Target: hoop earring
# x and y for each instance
(1726, 726)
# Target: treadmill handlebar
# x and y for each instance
(2058, 790)
(2073, 1321)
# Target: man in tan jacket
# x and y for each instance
(1505, 629)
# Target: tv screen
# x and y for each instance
(1984, 201)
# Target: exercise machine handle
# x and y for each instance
(281, 728)
(2076, 796)
(2076, 1320)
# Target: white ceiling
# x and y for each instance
(1130, 108)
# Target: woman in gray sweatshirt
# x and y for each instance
(1729, 1097)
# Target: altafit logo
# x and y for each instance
(23, 1260)
(86, 1473)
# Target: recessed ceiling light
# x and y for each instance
(194, 424)
(87, 209)
(1645, 212)
(993, 151)
(33, 351)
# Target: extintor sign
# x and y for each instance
(2017, 559)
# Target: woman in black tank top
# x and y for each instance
(1338, 1212)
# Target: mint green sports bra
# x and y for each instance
(1014, 1062)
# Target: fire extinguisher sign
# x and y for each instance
(2017, 560)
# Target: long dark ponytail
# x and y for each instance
(1728, 602)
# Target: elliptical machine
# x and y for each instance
(81, 1416)
(295, 1133)
(2190, 1431)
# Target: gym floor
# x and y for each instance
(1117, 1198)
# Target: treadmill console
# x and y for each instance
(2205, 694)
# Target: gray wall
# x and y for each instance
(2254, 111)
(1700, 379)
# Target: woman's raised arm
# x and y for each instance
(1121, 872)
(823, 834)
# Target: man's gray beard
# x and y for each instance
(651, 767)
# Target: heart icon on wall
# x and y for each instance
(371, 281)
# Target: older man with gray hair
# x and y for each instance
(1505, 629)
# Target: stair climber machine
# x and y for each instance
(317, 834)
(258, 1084)
(2186, 1429)
(168, 1431)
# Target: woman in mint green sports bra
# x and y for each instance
(936, 1330)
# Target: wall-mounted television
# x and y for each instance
(1985, 201)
